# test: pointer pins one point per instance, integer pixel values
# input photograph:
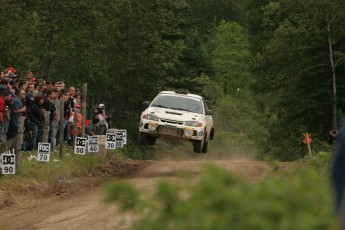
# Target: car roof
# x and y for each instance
(181, 94)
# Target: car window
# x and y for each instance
(179, 103)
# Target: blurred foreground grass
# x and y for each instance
(294, 198)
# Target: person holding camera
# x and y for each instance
(101, 120)
(332, 136)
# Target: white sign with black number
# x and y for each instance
(119, 140)
(124, 134)
(43, 152)
(93, 144)
(110, 141)
(80, 145)
(8, 165)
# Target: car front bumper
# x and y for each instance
(158, 128)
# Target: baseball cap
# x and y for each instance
(11, 69)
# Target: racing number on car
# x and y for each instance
(43, 152)
(93, 144)
(110, 141)
(80, 145)
(8, 160)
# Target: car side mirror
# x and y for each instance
(146, 104)
(209, 112)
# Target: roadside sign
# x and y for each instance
(307, 138)
(110, 141)
(80, 145)
(8, 159)
(43, 152)
(93, 144)
(124, 134)
(119, 139)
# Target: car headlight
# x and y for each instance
(193, 124)
(152, 117)
(188, 132)
(152, 126)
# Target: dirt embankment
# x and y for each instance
(78, 204)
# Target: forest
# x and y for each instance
(270, 69)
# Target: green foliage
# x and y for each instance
(294, 198)
(239, 126)
(293, 68)
(124, 192)
(230, 57)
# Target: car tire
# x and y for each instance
(142, 138)
(197, 146)
(205, 147)
(212, 134)
(151, 140)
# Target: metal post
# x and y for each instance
(61, 127)
(19, 142)
(83, 109)
(46, 126)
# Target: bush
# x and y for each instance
(294, 198)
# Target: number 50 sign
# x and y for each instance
(80, 145)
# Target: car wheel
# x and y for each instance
(205, 147)
(142, 138)
(197, 146)
(151, 140)
(212, 134)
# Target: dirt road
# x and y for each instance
(86, 210)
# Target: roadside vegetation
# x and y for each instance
(297, 197)
(64, 176)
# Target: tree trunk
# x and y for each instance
(330, 47)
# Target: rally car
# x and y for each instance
(178, 115)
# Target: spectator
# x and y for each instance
(6, 121)
(29, 97)
(338, 176)
(29, 75)
(17, 110)
(35, 119)
(5, 97)
(76, 131)
(67, 112)
(49, 84)
(63, 85)
(12, 87)
(48, 105)
(10, 73)
(101, 121)
(73, 92)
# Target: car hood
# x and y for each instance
(171, 114)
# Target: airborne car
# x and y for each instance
(177, 115)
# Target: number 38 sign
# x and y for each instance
(80, 145)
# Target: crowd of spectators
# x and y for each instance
(30, 97)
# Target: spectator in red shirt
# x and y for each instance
(5, 97)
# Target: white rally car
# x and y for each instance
(178, 115)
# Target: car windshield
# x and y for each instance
(179, 103)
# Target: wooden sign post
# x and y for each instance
(307, 140)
